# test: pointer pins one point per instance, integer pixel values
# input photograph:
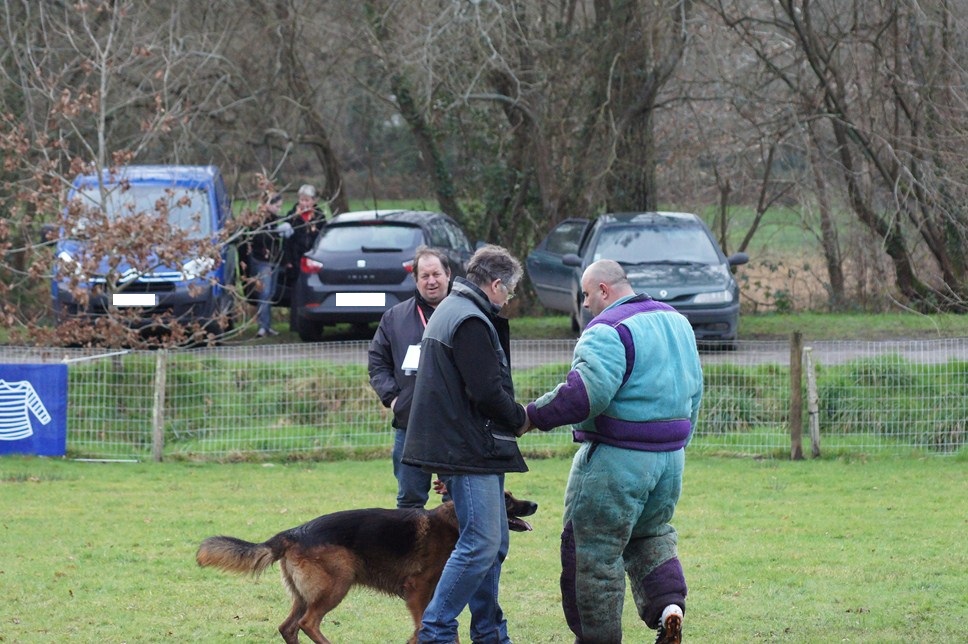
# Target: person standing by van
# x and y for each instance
(306, 219)
(265, 254)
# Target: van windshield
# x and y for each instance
(187, 209)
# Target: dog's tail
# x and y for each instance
(236, 555)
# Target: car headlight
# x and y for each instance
(197, 267)
(68, 261)
(716, 297)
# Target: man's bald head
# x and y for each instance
(603, 283)
(608, 271)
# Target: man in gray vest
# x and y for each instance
(463, 425)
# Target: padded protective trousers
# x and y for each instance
(618, 504)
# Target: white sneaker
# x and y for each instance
(670, 626)
(264, 332)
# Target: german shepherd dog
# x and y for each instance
(398, 552)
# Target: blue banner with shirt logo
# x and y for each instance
(33, 409)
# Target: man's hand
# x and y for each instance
(526, 427)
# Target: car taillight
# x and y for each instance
(408, 266)
(307, 265)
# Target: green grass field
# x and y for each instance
(761, 326)
(858, 550)
(779, 326)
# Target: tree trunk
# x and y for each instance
(430, 154)
(316, 135)
(829, 242)
(423, 134)
(636, 76)
(894, 244)
(630, 184)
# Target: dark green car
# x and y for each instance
(669, 255)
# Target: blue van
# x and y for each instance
(185, 273)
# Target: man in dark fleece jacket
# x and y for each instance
(396, 341)
(463, 425)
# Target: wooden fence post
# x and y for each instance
(813, 403)
(158, 412)
(796, 397)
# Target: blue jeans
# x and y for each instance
(413, 484)
(473, 572)
(265, 274)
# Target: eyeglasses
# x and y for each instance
(509, 292)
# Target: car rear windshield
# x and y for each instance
(659, 243)
(383, 237)
(185, 209)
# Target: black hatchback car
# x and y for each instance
(671, 256)
(362, 264)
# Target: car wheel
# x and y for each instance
(293, 318)
(576, 318)
(716, 346)
(308, 330)
(63, 312)
(294, 302)
(361, 328)
(223, 317)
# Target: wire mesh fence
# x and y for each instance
(314, 400)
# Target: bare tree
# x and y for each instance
(881, 87)
(295, 47)
(543, 110)
(394, 70)
(89, 87)
(512, 114)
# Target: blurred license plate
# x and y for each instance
(134, 299)
(361, 299)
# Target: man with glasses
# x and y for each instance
(463, 425)
(633, 397)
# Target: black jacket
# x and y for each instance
(265, 244)
(400, 327)
(303, 236)
(463, 415)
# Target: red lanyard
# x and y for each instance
(422, 318)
